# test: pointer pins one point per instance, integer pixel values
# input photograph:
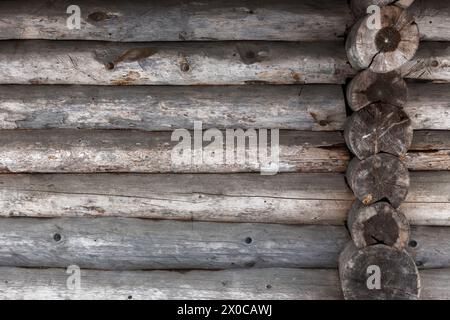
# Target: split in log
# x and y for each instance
(378, 223)
(378, 128)
(135, 244)
(431, 62)
(386, 49)
(252, 284)
(293, 198)
(171, 63)
(369, 87)
(86, 151)
(379, 177)
(162, 108)
(378, 273)
(170, 20)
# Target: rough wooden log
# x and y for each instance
(85, 151)
(432, 17)
(431, 62)
(115, 243)
(386, 49)
(170, 63)
(378, 128)
(381, 176)
(251, 284)
(369, 87)
(245, 284)
(378, 223)
(121, 243)
(428, 106)
(160, 108)
(140, 20)
(284, 198)
(398, 275)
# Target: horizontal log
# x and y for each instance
(171, 63)
(133, 244)
(311, 198)
(432, 18)
(431, 63)
(246, 284)
(88, 151)
(140, 20)
(159, 108)
(84, 151)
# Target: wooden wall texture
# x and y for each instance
(85, 149)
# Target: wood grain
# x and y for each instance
(162, 108)
(171, 63)
(140, 20)
(291, 198)
(247, 284)
(134, 244)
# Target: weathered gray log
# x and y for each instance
(431, 62)
(85, 151)
(245, 284)
(160, 108)
(140, 20)
(397, 274)
(432, 18)
(283, 198)
(376, 128)
(270, 283)
(116, 243)
(88, 151)
(378, 177)
(378, 223)
(386, 49)
(428, 106)
(368, 87)
(121, 243)
(310, 107)
(171, 63)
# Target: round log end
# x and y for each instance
(378, 273)
(368, 87)
(376, 128)
(386, 47)
(379, 177)
(378, 223)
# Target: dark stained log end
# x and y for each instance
(378, 128)
(379, 177)
(368, 87)
(386, 49)
(378, 223)
(360, 269)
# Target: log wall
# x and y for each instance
(86, 174)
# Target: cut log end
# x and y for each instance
(376, 224)
(369, 87)
(386, 47)
(378, 128)
(378, 273)
(379, 177)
